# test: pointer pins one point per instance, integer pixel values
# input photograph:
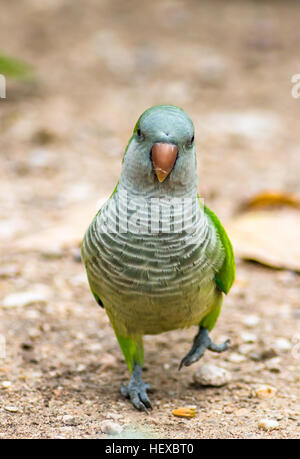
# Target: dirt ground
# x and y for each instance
(98, 65)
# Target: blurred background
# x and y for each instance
(78, 76)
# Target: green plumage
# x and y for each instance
(14, 68)
(226, 274)
(152, 282)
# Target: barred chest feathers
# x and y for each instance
(167, 254)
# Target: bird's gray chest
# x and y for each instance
(164, 254)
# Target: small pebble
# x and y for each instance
(40, 158)
(9, 271)
(249, 337)
(273, 365)
(282, 344)
(211, 375)
(251, 321)
(80, 368)
(268, 424)
(236, 358)
(34, 333)
(110, 428)
(265, 392)
(20, 299)
(6, 384)
(68, 419)
(94, 347)
(228, 410)
(11, 409)
(256, 356)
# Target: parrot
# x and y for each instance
(158, 259)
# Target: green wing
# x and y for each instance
(226, 274)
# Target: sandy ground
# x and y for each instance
(99, 64)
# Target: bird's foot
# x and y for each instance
(202, 342)
(136, 390)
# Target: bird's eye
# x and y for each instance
(190, 142)
(139, 133)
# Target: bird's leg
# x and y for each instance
(136, 390)
(202, 342)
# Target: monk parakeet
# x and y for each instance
(157, 259)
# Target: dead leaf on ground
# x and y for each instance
(185, 412)
(268, 237)
(272, 199)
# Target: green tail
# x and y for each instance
(132, 349)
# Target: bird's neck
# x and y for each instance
(149, 187)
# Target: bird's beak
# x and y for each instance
(163, 158)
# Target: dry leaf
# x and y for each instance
(272, 199)
(185, 412)
(268, 237)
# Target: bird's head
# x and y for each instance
(161, 152)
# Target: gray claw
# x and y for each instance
(202, 342)
(219, 347)
(136, 391)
